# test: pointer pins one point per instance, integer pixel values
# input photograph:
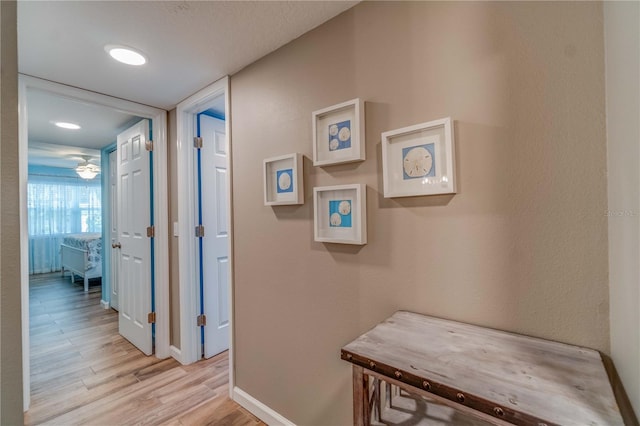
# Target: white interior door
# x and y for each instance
(114, 267)
(134, 247)
(215, 247)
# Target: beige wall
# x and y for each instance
(521, 247)
(174, 289)
(622, 44)
(10, 312)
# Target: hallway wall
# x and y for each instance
(522, 246)
(622, 38)
(11, 395)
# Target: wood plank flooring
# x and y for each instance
(84, 372)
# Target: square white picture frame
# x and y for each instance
(283, 180)
(419, 160)
(340, 214)
(338, 133)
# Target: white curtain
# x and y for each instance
(44, 253)
(57, 206)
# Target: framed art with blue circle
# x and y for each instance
(340, 214)
(419, 160)
(338, 133)
(283, 183)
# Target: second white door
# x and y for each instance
(215, 244)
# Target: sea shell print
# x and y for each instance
(333, 129)
(333, 145)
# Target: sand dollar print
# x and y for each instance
(344, 134)
(344, 208)
(335, 219)
(417, 162)
(284, 181)
(340, 214)
(339, 136)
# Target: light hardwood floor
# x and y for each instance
(84, 372)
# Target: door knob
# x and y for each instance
(116, 245)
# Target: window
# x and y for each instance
(58, 205)
(63, 205)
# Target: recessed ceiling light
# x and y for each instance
(126, 55)
(65, 125)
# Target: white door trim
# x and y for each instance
(160, 187)
(187, 257)
(107, 277)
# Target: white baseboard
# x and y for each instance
(259, 410)
(176, 354)
(105, 305)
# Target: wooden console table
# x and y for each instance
(501, 377)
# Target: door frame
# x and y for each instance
(187, 258)
(105, 164)
(160, 196)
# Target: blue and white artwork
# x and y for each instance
(340, 135)
(340, 213)
(284, 180)
(418, 161)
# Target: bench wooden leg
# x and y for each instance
(387, 395)
(361, 410)
(376, 405)
(86, 283)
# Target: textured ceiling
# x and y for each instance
(189, 44)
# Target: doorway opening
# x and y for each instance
(159, 193)
(64, 208)
(204, 203)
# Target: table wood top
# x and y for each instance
(534, 381)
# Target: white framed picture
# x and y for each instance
(283, 180)
(338, 133)
(340, 214)
(419, 160)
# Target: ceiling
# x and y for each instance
(189, 44)
(61, 156)
(99, 125)
(53, 146)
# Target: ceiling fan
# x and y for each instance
(87, 170)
